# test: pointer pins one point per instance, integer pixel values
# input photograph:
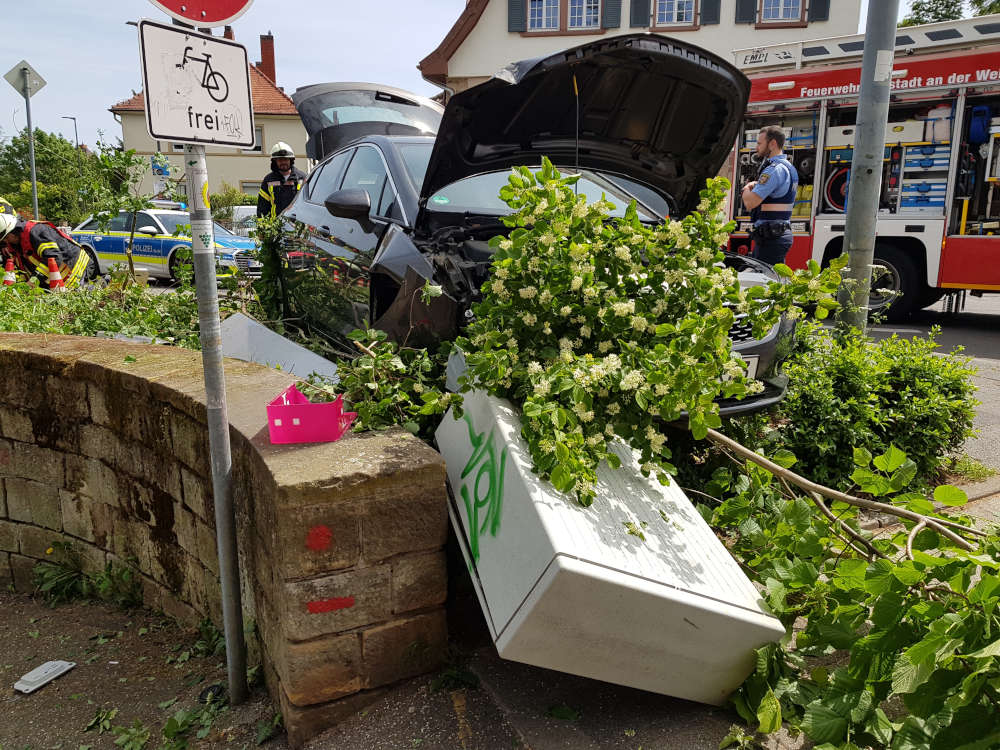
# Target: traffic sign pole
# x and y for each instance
(31, 143)
(206, 285)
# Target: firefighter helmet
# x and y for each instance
(8, 218)
(282, 150)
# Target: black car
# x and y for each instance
(639, 117)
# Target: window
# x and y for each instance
(584, 14)
(250, 188)
(91, 226)
(781, 11)
(543, 15)
(674, 13)
(327, 179)
(120, 223)
(177, 147)
(143, 219)
(367, 172)
(258, 142)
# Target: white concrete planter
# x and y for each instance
(569, 588)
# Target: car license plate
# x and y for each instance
(751, 366)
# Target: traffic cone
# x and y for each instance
(8, 273)
(55, 278)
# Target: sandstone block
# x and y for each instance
(335, 603)
(186, 530)
(34, 502)
(92, 559)
(6, 574)
(35, 541)
(86, 519)
(207, 548)
(67, 398)
(10, 534)
(23, 572)
(404, 517)
(403, 648)
(183, 613)
(16, 425)
(190, 443)
(3, 500)
(198, 495)
(419, 581)
(305, 722)
(320, 671)
(39, 464)
(93, 478)
(98, 442)
(318, 539)
(99, 413)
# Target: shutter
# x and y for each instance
(819, 10)
(517, 16)
(746, 11)
(611, 14)
(711, 11)
(639, 17)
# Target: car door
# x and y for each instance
(367, 171)
(110, 244)
(147, 249)
(308, 209)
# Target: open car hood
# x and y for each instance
(335, 114)
(650, 108)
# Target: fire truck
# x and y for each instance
(938, 229)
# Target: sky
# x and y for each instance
(89, 57)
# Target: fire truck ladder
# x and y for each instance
(966, 32)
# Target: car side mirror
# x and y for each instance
(148, 229)
(352, 203)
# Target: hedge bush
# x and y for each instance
(848, 392)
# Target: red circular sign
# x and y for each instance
(204, 12)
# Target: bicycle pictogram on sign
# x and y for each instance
(212, 81)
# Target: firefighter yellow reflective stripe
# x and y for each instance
(268, 197)
(47, 246)
(79, 268)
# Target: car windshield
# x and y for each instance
(481, 195)
(219, 229)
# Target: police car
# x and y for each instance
(157, 242)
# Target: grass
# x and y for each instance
(970, 469)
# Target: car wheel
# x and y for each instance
(180, 258)
(900, 279)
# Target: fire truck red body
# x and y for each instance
(939, 210)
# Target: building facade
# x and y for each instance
(275, 119)
(490, 34)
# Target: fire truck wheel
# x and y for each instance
(900, 279)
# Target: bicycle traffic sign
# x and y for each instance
(204, 12)
(197, 87)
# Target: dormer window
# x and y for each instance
(543, 15)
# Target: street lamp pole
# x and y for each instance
(76, 139)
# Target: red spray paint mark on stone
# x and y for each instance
(330, 605)
(319, 538)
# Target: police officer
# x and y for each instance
(282, 183)
(771, 198)
(31, 244)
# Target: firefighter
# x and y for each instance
(771, 198)
(32, 244)
(282, 183)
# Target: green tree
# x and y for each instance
(61, 169)
(985, 7)
(932, 11)
(227, 197)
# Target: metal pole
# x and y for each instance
(203, 245)
(31, 144)
(866, 166)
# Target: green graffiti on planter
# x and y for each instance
(484, 507)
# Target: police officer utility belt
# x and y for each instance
(770, 230)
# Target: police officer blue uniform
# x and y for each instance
(777, 185)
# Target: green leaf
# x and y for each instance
(782, 270)
(562, 478)
(891, 460)
(949, 495)
(784, 458)
(823, 724)
(769, 714)
(907, 676)
(862, 457)
(987, 651)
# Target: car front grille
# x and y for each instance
(741, 330)
(242, 262)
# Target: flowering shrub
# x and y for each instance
(607, 328)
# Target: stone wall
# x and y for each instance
(103, 445)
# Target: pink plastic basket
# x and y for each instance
(292, 418)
